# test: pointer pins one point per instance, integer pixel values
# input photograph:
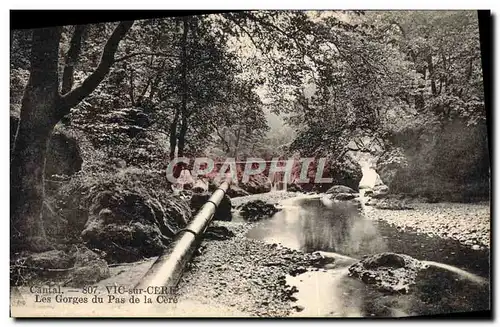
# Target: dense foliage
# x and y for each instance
(138, 94)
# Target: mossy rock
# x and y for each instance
(257, 210)
(388, 272)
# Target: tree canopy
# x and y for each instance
(151, 90)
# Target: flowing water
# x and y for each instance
(459, 272)
(456, 279)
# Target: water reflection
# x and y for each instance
(308, 225)
(331, 293)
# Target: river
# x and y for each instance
(456, 280)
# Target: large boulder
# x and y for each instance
(257, 210)
(380, 191)
(388, 272)
(129, 225)
(346, 172)
(345, 196)
(124, 242)
(54, 259)
(90, 274)
(128, 215)
(89, 267)
(340, 193)
(79, 266)
(64, 155)
(235, 191)
(223, 211)
(294, 187)
(256, 184)
(336, 189)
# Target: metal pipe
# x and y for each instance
(167, 269)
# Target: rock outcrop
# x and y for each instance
(64, 156)
(223, 211)
(256, 184)
(129, 215)
(388, 272)
(257, 210)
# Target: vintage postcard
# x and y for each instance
(251, 164)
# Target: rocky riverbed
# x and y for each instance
(271, 197)
(465, 222)
(232, 275)
(246, 274)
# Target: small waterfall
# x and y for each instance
(462, 273)
(369, 179)
(279, 183)
(274, 187)
(362, 200)
(339, 259)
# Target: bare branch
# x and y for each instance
(154, 86)
(131, 91)
(226, 144)
(72, 57)
(159, 54)
(75, 96)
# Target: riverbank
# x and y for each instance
(247, 275)
(468, 223)
(234, 276)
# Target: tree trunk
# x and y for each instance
(430, 66)
(41, 109)
(225, 144)
(27, 187)
(37, 119)
(182, 135)
(237, 143)
(184, 95)
(419, 97)
(173, 134)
